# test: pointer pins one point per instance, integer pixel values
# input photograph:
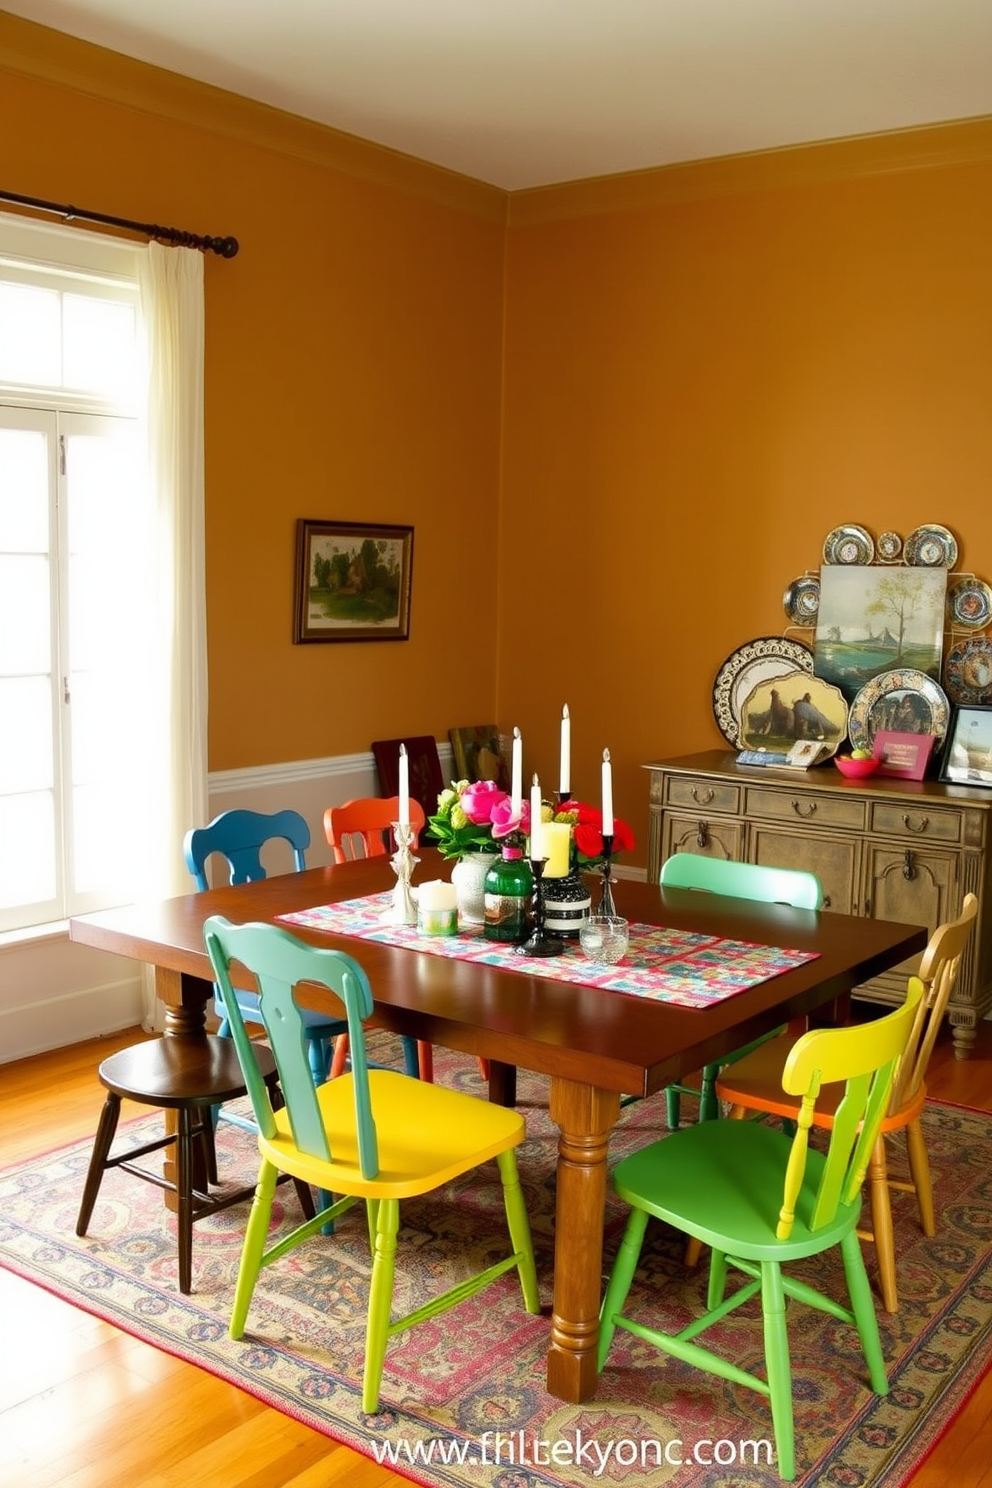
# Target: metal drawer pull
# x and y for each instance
(798, 808)
(702, 835)
(924, 823)
(908, 866)
(701, 798)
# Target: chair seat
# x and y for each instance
(177, 1071)
(743, 1162)
(427, 1136)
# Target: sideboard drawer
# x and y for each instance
(896, 819)
(703, 795)
(806, 806)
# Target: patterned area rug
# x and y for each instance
(464, 1402)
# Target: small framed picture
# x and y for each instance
(353, 581)
(968, 757)
(902, 755)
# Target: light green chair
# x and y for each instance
(371, 1134)
(761, 1199)
(791, 886)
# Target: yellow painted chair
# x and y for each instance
(762, 1199)
(754, 1084)
(371, 1135)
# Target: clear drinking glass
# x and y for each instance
(604, 938)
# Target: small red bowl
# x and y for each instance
(855, 769)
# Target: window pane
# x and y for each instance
(25, 615)
(99, 350)
(27, 863)
(23, 491)
(103, 834)
(30, 335)
(26, 756)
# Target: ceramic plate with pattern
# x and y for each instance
(801, 601)
(968, 672)
(767, 656)
(932, 547)
(889, 547)
(969, 603)
(849, 545)
(903, 701)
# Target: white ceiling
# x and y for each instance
(524, 93)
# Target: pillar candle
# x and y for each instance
(565, 758)
(536, 825)
(516, 772)
(404, 815)
(556, 838)
(607, 795)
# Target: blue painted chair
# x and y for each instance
(372, 1136)
(238, 837)
(792, 886)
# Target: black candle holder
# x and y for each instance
(540, 943)
(606, 905)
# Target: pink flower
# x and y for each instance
(479, 799)
(505, 820)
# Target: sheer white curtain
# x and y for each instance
(174, 691)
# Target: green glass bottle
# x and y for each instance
(509, 890)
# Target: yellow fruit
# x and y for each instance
(861, 754)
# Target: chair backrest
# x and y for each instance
(239, 836)
(865, 1057)
(938, 972)
(367, 821)
(791, 886)
(279, 962)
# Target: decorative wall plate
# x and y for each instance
(782, 711)
(849, 545)
(801, 601)
(931, 547)
(968, 672)
(889, 547)
(902, 701)
(766, 656)
(969, 603)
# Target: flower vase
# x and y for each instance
(567, 902)
(469, 878)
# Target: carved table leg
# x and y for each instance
(584, 1116)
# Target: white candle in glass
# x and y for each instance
(565, 758)
(536, 825)
(607, 795)
(517, 772)
(404, 812)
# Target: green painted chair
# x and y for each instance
(371, 1134)
(761, 1199)
(790, 886)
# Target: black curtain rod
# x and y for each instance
(174, 236)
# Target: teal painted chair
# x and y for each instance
(790, 886)
(761, 1198)
(239, 838)
(370, 1135)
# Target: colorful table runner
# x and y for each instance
(676, 966)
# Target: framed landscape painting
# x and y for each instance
(353, 581)
(874, 620)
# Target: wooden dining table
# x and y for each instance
(594, 1045)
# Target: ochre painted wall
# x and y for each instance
(699, 388)
(705, 369)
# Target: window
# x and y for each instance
(72, 558)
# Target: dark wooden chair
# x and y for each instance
(188, 1076)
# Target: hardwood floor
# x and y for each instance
(85, 1406)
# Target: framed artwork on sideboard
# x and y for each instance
(968, 756)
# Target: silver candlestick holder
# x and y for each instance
(402, 910)
(606, 905)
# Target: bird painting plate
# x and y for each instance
(764, 657)
(801, 601)
(849, 545)
(903, 701)
(969, 603)
(931, 547)
(782, 711)
(968, 672)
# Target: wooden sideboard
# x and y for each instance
(900, 850)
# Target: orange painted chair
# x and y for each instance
(361, 828)
(754, 1084)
